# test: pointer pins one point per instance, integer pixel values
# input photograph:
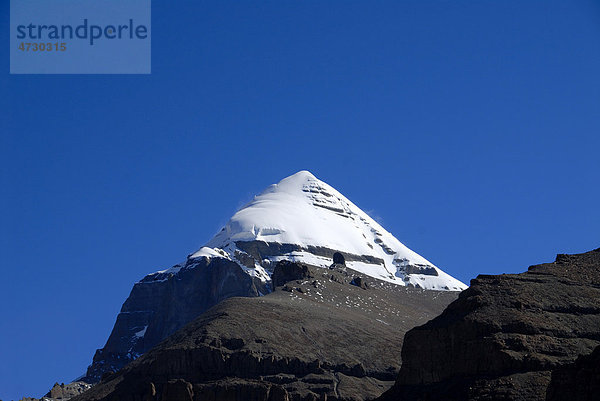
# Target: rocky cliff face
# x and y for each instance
(579, 381)
(162, 303)
(508, 336)
(319, 335)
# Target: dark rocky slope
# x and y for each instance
(323, 334)
(162, 303)
(579, 381)
(509, 337)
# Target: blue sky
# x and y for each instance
(470, 129)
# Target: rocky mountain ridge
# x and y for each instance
(510, 337)
(334, 334)
(162, 303)
(324, 333)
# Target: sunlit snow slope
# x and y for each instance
(317, 220)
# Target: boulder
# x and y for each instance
(286, 271)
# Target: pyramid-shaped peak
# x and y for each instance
(304, 219)
(295, 181)
(301, 175)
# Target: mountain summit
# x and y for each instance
(304, 219)
(300, 219)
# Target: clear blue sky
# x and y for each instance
(471, 129)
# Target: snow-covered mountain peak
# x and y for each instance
(304, 219)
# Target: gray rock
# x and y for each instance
(160, 304)
(288, 271)
(359, 282)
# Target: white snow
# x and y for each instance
(209, 253)
(303, 210)
(141, 333)
(173, 270)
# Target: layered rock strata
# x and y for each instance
(509, 337)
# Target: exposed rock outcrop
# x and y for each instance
(339, 259)
(287, 271)
(322, 339)
(579, 381)
(359, 282)
(508, 337)
(62, 392)
(162, 303)
(66, 391)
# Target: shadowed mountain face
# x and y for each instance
(162, 303)
(579, 381)
(509, 337)
(322, 332)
